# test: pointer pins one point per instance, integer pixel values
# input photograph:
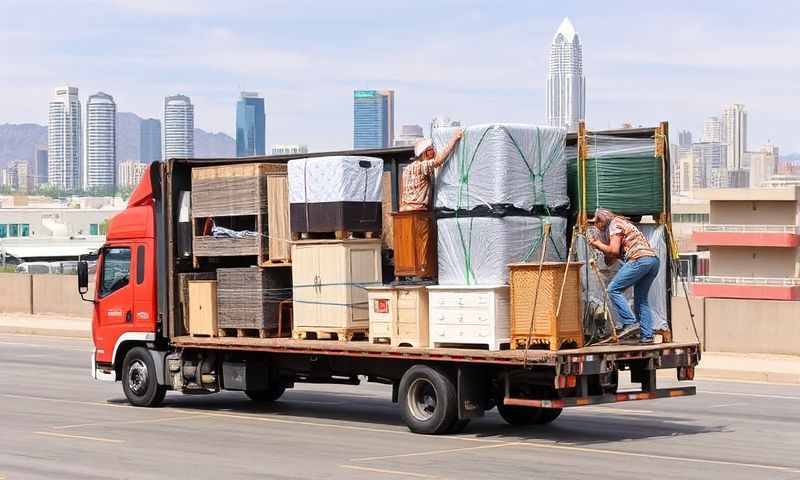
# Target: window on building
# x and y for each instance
(13, 230)
(116, 270)
(94, 229)
(24, 230)
(3, 230)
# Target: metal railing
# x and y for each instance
(778, 282)
(748, 228)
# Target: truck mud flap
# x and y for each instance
(598, 399)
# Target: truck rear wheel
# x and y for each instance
(273, 392)
(139, 380)
(521, 416)
(428, 400)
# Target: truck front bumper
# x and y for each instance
(104, 374)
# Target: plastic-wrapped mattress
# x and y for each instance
(594, 292)
(477, 250)
(502, 167)
(335, 193)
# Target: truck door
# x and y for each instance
(144, 289)
(114, 299)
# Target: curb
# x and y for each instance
(48, 332)
(746, 375)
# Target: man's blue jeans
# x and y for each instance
(638, 274)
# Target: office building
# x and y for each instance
(178, 127)
(289, 149)
(373, 118)
(763, 164)
(566, 85)
(409, 135)
(100, 164)
(150, 140)
(712, 130)
(684, 138)
(130, 172)
(734, 134)
(708, 169)
(39, 166)
(64, 140)
(250, 125)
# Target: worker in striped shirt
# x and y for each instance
(417, 177)
(639, 269)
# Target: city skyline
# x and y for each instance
(677, 69)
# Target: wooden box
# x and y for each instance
(235, 197)
(202, 307)
(330, 279)
(469, 315)
(280, 246)
(399, 316)
(414, 244)
(183, 294)
(547, 329)
(249, 299)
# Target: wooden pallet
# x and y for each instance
(276, 264)
(340, 334)
(518, 343)
(247, 332)
(382, 340)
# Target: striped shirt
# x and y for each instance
(634, 244)
(416, 186)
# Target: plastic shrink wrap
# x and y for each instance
(335, 179)
(502, 166)
(593, 292)
(477, 250)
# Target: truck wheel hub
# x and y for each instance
(422, 399)
(137, 377)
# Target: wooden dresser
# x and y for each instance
(469, 315)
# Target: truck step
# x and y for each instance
(342, 334)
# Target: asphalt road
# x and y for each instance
(56, 422)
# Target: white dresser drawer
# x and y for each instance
(459, 299)
(380, 329)
(461, 317)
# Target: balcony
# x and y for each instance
(747, 287)
(787, 236)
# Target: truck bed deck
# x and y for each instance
(365, 349)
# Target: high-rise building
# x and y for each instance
(100, 165)
(707, 164)
(734, 134)
(178, 127)
(763, 164)
(39, 165)
(440, 121)
(130, 172)
(64, 140)
(373, 118)
(684, 138)
(289, 149)
(150, 140)
(712, 130)
(250, 125)
(566, 85)
(409, 135)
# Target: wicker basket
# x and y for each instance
(547, 329)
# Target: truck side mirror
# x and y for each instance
(83, 277)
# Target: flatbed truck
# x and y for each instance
(140, 341)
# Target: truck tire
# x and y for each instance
(428, 400)
(139, 380)
(522, 416)
(273, 392)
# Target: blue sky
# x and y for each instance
(474, 61)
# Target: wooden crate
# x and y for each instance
(249, 298)
(387, 209)
(414, 244)
(329, 279)
(474, 315)
(183, 294)
(280, 247)
(202, 307)
(547, 330)
(398, 315)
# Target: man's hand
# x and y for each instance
(458, 134)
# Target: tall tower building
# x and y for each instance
(250, 125)
(734, 133)
(39, 165)
(684, 138)
(712, 130)
(566, 85)
(150, 141)
(100, 166)
(373, 118)
(64, 140)
(178, 127)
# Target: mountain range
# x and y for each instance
(18, 141)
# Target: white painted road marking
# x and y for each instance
(80, 437)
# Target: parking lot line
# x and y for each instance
(433, 452)
(388, 472)
(80, 437)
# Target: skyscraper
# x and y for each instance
(712, 130)
(734, 134)
(566, 85)
(64, 140)
(250, 125)
(373, 118)
(409, 135)
(684, 138)
(150, 140)
(178, 127)
(100, 166)
(39, 165)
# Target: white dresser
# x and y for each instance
(469, 315)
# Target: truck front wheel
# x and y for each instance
(428, 400)
(139, 380)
